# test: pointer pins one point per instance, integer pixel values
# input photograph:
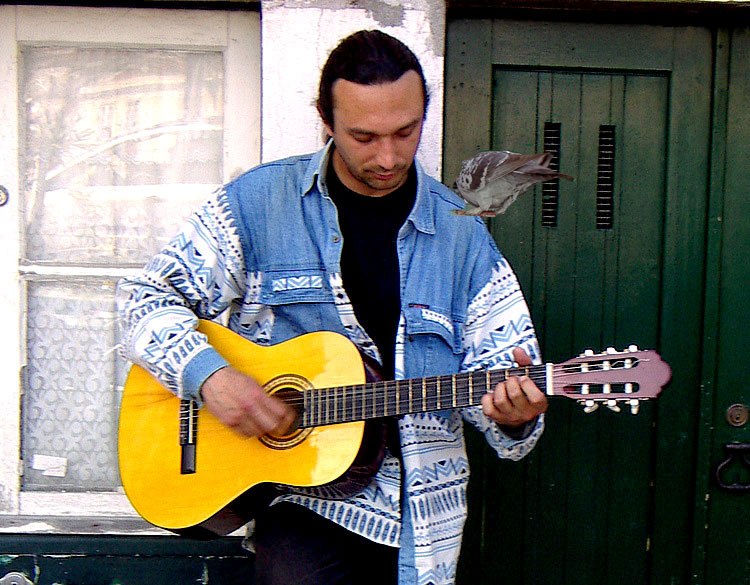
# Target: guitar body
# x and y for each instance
(215, 498)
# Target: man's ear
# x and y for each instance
(326, 127)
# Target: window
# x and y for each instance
(119, 138)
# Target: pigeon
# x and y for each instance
(491, 181)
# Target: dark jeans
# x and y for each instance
(295, 546)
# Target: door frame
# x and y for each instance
(236, 35)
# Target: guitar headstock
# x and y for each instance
(612, 377)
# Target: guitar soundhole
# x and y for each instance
(288, 388)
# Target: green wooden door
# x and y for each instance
(614, 258)
(722, 525)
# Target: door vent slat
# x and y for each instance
(605, 182)
(551, 189)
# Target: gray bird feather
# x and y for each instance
(491, 181)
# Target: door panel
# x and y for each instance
(615, 262)
(725, 525)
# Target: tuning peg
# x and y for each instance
(613, 406)
(633, 348)
(587, 353)
(589, 406)
(634, 406)
(611, 350)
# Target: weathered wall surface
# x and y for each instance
(297, 36)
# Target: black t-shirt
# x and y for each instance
(369, 259)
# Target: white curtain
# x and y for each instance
(119, 147)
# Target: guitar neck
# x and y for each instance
(609, 378)
(325, 406)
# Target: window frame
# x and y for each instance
(236, 34)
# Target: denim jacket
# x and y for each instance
(266, 250)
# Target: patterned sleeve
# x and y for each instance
(196, 276)
(497, 321)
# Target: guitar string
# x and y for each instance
(367, 397)
(458, 388)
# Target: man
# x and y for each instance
(357, 239)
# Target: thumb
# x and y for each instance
(521, 357)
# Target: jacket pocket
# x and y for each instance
(434, 343)
(301, 301)
(282, 287)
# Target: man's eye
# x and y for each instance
(363, 138)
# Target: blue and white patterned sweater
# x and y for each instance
(462, 310)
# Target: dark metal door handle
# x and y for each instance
(736, 453)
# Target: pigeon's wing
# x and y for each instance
(498, 167)
(538, 167)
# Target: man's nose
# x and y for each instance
(386, 156)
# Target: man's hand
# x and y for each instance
(515, 401)
(241, 403)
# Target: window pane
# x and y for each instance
(119, 146)
(73, 384)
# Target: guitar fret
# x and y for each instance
(453, 388)
(411, 395)
(438, 389)
(385, 399)
(375, 402)
(424, 394)
(471, 388)
(398, 396)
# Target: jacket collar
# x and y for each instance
(422, 216)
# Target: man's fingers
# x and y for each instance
(243, 405)
(514, 401)
(521, 357)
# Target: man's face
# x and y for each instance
(376, 132)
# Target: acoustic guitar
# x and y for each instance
(185, 471)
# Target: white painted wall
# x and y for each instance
(297, 36)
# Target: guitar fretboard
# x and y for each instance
(325, 406)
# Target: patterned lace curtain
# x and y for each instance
(119, 147)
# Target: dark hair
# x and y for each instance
(367, 57)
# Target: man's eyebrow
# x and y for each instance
(362, 131)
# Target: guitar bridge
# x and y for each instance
(188, 436)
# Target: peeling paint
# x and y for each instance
(384, 13)
(7, 498)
